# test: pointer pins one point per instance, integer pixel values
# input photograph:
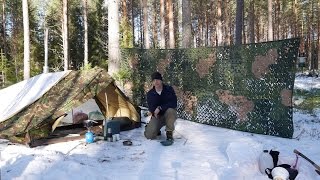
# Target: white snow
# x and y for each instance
(306, 83)
(199, 152)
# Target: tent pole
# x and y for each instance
(107, 108)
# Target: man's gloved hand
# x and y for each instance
(147, 114)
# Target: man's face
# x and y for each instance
(157, 83)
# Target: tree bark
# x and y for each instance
(4, 39)
(26, 41)
(65, 34)
(186, 24)
(219, 23)
(85, 23)
(239, 21)
(133, 24)
(295, 11)
(207, 29)
(141, 27)
(200, 28)
(113, 32)
(270, 26)
(257, 25)
(124, 8)
(227, 29)
(171, 27)
(145, 24)
(2, 75)
(154, 25)
(162, 25)
(278, 20)
(251, 22)
(318, 34)
(46, 37)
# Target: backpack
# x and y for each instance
(292, 172)
(275, 156)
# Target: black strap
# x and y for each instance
(275, 157)
(268, 172)
(285, 166)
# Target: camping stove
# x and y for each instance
(89, 135)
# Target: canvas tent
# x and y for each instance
(30, 108)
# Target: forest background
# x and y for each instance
(39, 36)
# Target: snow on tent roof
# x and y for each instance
(16, 97)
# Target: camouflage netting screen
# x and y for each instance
(247, 88)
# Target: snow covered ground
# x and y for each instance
(199, 152)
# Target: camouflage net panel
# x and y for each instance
(247, 88)
(72, 91)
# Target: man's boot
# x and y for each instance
(169, 135)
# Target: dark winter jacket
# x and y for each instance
(167, 99)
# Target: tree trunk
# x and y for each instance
(309, 49)
(251, 22)
(227, 26)
(278, 20)
(270, 26)
(219, 23)
(295, 11)
(239, 21)
(124, 8)
(162, 25)
(186, 24)
(65, 35)
(257, 24)
(141, 27)
(200, 30)
(312, 37)
(145, 24)
(171, 27)
(85, 22)
(26, 41)
(46, 37)
(14, 52)
(154, 25)
(113, 34)
(127, 33)
(2, 75)
(133, 24)
(318, 34)
(207, 30)
(4, 39)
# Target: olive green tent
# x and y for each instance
(35, 119)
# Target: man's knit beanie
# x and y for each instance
(156, 75)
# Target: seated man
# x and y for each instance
(162, 104)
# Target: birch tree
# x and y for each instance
(65, 34)
(26, 40)
(85, 24)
